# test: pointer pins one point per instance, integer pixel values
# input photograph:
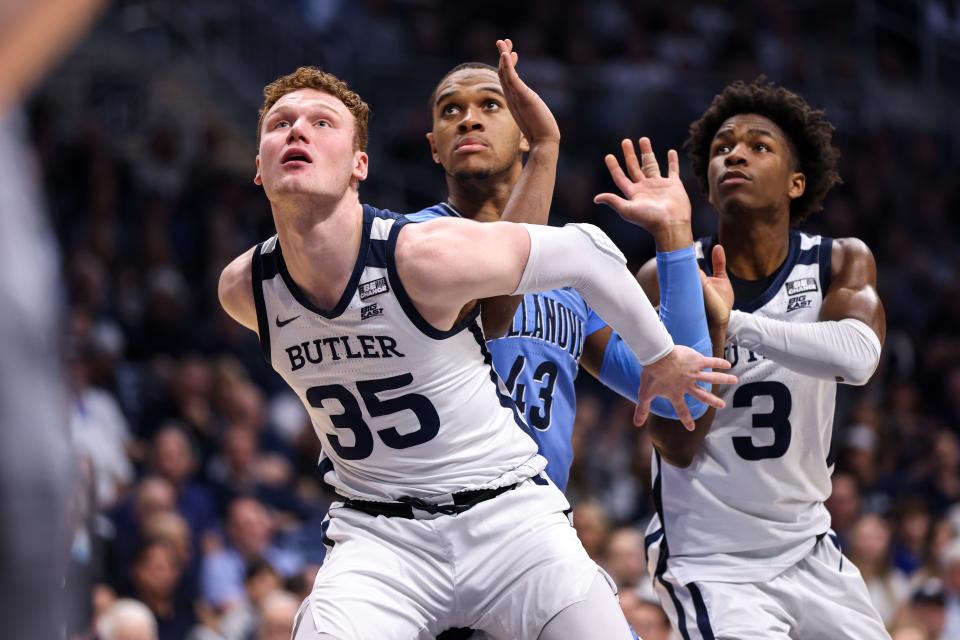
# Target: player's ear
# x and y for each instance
(524, 144)
(433, 147)
(361, 164)
(256, 178)
(797, 185)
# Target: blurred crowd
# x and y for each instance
(199, 505)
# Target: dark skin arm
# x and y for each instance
(532, 195)
(853, 287)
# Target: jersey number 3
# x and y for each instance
(778, 419)
(352, 419)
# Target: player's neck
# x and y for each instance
(756, 245)
(481, 199)
(320, 246)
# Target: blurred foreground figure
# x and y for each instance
(36, 461)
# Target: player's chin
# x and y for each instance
(472, 171)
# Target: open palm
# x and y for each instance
(650, 200)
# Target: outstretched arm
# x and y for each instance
(659, 204)
(678, 446)
(446, 262)
(844, 345)
(531, 197)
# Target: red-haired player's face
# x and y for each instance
(752, 167)
(474, 136)
(307, 147)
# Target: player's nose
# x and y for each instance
(736, 156)
(298, 131)
(469, 122)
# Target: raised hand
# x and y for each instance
(650, 200)
(717, 290)
(677, 374)
(531, 113)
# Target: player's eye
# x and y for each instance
(323, 123)
(762, 147)
(280, 123)
(450, 109)
(721, 148)
(491, 104)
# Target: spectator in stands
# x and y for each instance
(843, 504)
(645, 616)
(155, 581)
(127, 619)
(624, 560)
(173, 457)
(249, 534)
(277, 615)
(869, 550)
(593, 527)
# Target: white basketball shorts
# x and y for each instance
(506, 566)
(822, 596)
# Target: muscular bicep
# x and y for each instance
(446, 263)
(235, 290)
(853, 287)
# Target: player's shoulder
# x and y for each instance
(851, 254)
(235, 289)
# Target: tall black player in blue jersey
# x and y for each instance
(538, 341)
(741, 546)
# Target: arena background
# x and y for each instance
(145, 135)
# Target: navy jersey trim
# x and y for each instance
(263, 322)
(793, 254)
(505, 401)
(665, 549)
(826, 264)
(703, 618)
(377, 255)
(407, 304)
(347, 295)
(808, 256)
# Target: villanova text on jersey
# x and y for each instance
(549, 320)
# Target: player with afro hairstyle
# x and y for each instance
(741, 546)
(809, 135)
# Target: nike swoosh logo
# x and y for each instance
(283, 323)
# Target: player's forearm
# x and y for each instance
(583, 257)
(677, 445)
(32, 38)
(533, 194)
(847, 351)
(682, 313)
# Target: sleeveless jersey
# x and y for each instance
(751, 503)
(538, 360)
(400, 407)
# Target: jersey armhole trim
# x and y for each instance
(263, 322)
(825, 260)
(407, 304)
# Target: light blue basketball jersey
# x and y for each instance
(538, 360)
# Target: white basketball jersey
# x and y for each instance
(751, 503)
(401, 408)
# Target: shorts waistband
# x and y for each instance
(420, 509)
